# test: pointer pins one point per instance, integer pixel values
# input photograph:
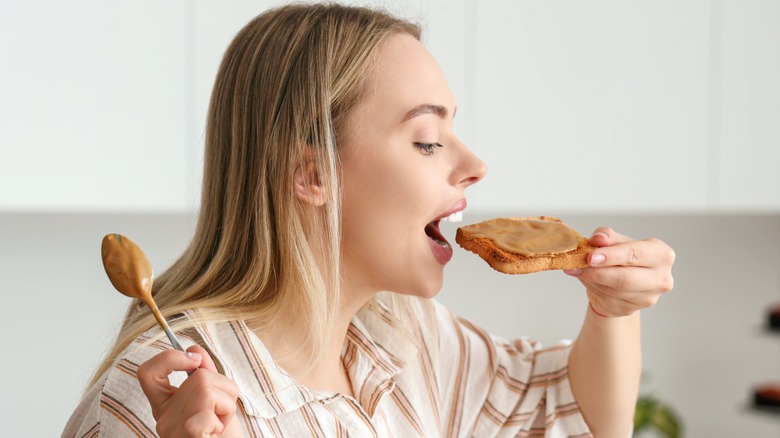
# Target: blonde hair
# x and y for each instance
(283, 92)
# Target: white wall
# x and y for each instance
(92, 114)
(59, 312)
(703, 345)
(648, 108)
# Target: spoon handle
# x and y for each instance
(174, 340)
(164, 324)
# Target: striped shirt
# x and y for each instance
(453, 380)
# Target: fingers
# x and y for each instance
(204, 404)
(204, 384)
(206, 362)
(625, 275)
(203, 424)
(200, 419)
(153, 374)
(642, 253)
(627, 279)
(605, 236)
(216, 396)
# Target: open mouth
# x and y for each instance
(434, 233)
(439, 245)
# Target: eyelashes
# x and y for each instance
(428, 148)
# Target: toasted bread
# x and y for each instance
(513, 263)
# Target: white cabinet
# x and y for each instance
(575, 107)
(748, 118)
(92, 114)
(592, 106)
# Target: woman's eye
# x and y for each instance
(428, 148)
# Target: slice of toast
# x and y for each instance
(513, 263)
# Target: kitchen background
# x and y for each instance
(658, 119)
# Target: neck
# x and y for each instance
(283, 341)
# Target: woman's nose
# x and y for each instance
(471, 168)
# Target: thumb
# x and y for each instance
(205, 359)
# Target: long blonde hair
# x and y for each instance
(284, 89)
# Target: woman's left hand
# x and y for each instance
(625, 275)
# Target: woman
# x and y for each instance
(330, 159)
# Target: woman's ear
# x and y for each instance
(308, 185)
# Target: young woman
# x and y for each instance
(330, 159)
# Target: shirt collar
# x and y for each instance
(373, 352)
(265, 390)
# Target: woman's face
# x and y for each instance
(403, 169)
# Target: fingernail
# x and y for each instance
(194, 356)
(597, 259)
(574, 272)
(604, 235)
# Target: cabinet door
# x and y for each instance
(92, 114)
(747, 126)
(584, 106)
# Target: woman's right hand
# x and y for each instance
(203, 406)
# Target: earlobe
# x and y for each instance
(308, 187)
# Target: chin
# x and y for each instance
(429, 294)
(429, 290)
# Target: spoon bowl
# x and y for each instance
(127, 267)
(131, 274)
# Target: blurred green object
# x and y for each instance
(652, 414)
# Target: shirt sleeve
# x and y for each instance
(494, 388)
(116, 405)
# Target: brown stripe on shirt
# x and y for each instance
(126, 416)
(259, 370)
(451, 378)
(408, 410)
(456, 411)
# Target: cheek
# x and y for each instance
(388, 186)
(388, 197)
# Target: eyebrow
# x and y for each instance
(427, 108)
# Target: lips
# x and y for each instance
(442, 250)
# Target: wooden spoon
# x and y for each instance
(131, 274)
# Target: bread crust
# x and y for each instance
(513, 263)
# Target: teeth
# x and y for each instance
(442, 243)
(454, 217)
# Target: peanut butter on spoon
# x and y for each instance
(131, 274)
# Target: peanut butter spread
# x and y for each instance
(526, 237)
(127, 266)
